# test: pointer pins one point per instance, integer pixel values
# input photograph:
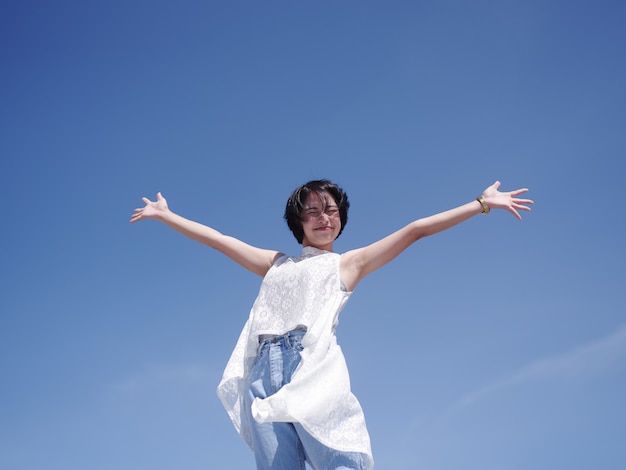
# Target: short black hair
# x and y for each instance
(295, 204)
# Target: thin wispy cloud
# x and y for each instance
(585, 362)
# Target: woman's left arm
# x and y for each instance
(357, 264)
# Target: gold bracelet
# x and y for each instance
(483, 203)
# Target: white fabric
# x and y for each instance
(301, 291)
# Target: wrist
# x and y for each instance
(485, 207)
(165, 215)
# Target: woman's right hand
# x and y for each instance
(152, 209)
(507, 200)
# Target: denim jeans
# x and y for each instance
(286, 446)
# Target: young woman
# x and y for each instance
(286, 386)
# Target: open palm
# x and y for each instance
(506, 200)
(152, 209)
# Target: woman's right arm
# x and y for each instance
(257, 260)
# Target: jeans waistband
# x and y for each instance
(286, 338)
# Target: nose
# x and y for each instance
(323, 217)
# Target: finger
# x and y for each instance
(524, 201)
(517, 192)
(521, 207)
(159, 196)
(515, 213)
(496, 185)
(146, 200)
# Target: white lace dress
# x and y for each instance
(301, 291)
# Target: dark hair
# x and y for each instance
(296, 202)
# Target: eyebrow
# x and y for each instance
(335, 206)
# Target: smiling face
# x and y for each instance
(320, 221)
(320, 194)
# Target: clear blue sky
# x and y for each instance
(497, 345)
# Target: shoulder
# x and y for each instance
(350, 268)
(280, 259)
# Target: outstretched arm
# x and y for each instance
(357, 264)
(252, 258)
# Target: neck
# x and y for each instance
(326, 247)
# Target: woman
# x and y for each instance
(286, 386)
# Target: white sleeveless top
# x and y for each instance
(301, 291)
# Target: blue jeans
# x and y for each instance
(286, 446)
